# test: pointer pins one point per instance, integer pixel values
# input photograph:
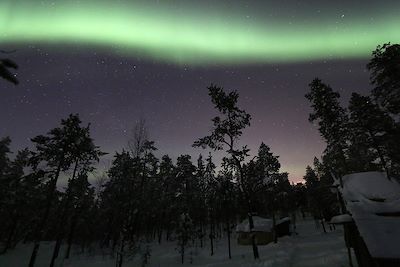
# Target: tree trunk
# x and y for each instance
(211, 239)
(159, 235)
(201, 235)
(228, 230)
(182, 253)
(253, 237)
(380, 154)
(56, 251)
(71, 236)
(249, 211)
(246, 198)
(344, 162)
(274, 234)
(323, 225)
(63, 219)
(39, 230)
(60, 236)
(34, 253)
(11, 234)
(121, 253)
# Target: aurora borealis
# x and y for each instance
(114, 62)
(187, 32)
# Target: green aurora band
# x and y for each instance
(193, 36)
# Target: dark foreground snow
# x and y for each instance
(310, 248)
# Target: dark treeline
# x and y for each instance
(142, 198)
(363, 137)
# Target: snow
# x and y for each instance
(369, 196)
(260, 224)
(369, 185)
(342, 218)
(311, 247)
(285, 219)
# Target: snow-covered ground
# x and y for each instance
(311, 247)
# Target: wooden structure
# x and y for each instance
(263, 230)
(372, 227)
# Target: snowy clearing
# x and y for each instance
(311, 247)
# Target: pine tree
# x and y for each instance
(120, 201)
(167, 196)
(18, 195)
(139, 136)
(80, 195)
(227, 208)
(332, 121)
(361, 155)
(310, 177)
(385, 76)
(322, 203)
(267, 170)
(227, 129)
(314, 203)
(369, 121)
(201, 214)
(186, 202)
(83, 154)
(4, 169)
(186, 177)
(54, 153)
(184, 233)
(211, 200)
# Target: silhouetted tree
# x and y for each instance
(139, 136)
(167, 196)
(5, 65)
(54, 153)
(371, 126)
(269, 182)
(227, 129)
(332, 121)
(83, 154)
(385, 76)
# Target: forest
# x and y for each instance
(51, 191)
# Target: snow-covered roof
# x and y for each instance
(260, 224)
(374, 203)
(342, 218)
(370, 185)
(285, 219)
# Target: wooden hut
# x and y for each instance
(263, 230)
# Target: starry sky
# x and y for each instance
(114, 62)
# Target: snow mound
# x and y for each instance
(369, 185)
(343, 218)
(374, 203)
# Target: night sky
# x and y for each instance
(116, 63)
